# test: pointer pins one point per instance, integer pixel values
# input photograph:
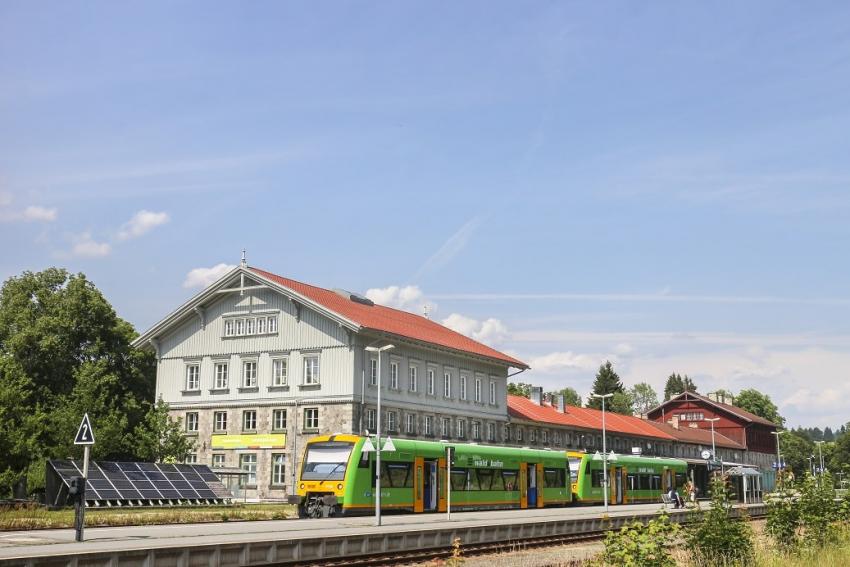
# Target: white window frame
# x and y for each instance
(246, 460)
(228, 328)
(191, 459)
(491, 432)
(461, 429)
(519, 433)
(192, 421)
(218, 424)
(261, 325)
(492, 393)
(278, 469)
(371, 419)
(249, 373)
(429, 425)
(311, 418)
(445, 427)
(394, 375)
(312, 376)
(413, 378)
(410, 424)
(245, 420)
(447, 385)
(463, 386)
(250, 326)
(193, 377)
(476, 430)
(392, 421)
(280, 378)
(272, 324)
(222, 375)
(373, 371)
(218, 460)
(478, 390)
(277, 415)
(238, 327)
(431, 378)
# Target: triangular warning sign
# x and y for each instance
(85, 434)
(367, 446)
(388, 445)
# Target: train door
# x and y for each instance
(429, 481)
(523, 486)
(531, 477)
(441, 485)
(541, 483)
(619, 477)
(418, 484)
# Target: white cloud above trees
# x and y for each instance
(202, 277)
(141, 223)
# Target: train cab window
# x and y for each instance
(326, 460)
(510, 480)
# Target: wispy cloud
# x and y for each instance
(202, 277)
(29, 214)
(450, 248)
(84, 246)
(142, 222)
(664, 296)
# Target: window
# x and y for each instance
(193, 380)
(445, 427)
(476, 430)
(218, 460)
(239, 327)
(394, 375)
(532, 436)
(413, 378)
(461, 428)
(220, 421)
(478, 390)
(248, 463)
(249, 326)
(371, 420)
(492, 393)
(228, 328)
(692, 416)
(261, 326)
(221, 375)
(279, 371)
(311, 418)
(447, 385)
(544, 436)
(311, 370)
(192, 422)
(373, 371)
(391, 421)
(519, 433)
(429, 425)
(272, 324)
(410, 424)
(249, 373)
(191, 458)
(463, 386)
(506, 434)
(278, 469)
(279, 419)
(249, 420)
(491, 432)
(430, 382)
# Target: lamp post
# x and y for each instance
(778, 457)
(820, 456)
(378, 436)
(604, 451)
(713, 447)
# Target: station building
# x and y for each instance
(256, 364)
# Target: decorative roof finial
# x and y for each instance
(244, 262)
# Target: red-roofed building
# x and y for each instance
(256, 363)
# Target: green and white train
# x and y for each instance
(337, 477)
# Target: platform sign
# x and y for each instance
(85, 434)
(388, 445)
(367, 446)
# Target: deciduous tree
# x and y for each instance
(644, 397)
(760, 404)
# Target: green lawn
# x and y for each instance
(37, 517)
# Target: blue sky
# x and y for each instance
(664, 185)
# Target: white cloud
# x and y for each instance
(142, 222)
(564, 361)
(202, 277)
(409, 298)
(490, 331)
(86, 247)
(29, 214)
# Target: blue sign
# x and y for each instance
(778, 466)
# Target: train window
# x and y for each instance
(396, 475)
(656, 482)
(498, 481)
(680, 479)
(643, 482)
(459, 479)
(326, 461)
(510, 480)
(575, 466)
(481, 479)
(596, 479)
(363, 463)
(631, 482)
(554, 478)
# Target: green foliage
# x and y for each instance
(760, 404)
(642, 545)
(644, 397)
(718, 538)
(64, 352)
(676, 384)
(160, 438)
(796, 451)
(607, 382)
(818, 512)
(571, 397)
(620, 402)
(519, 389)
(783, 517)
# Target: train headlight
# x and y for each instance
(302, 486)
(339, 486)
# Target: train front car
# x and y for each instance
(326, 469)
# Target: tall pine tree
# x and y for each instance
(676, 384)
(607, 382)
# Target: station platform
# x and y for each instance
(291, 541)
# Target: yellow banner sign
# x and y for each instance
(254, 441)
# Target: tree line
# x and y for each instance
(65, 352)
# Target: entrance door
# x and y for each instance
(532, 485)
(429, 481)
(418, 484)
(619, 485)
(523, 486)
(441, 485)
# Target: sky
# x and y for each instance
(663, 185)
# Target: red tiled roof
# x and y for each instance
(389, 320)
(697, 435)
(734, 410)
(586, 418)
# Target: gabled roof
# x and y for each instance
(728, 408)
(585, 418)
(697, 435)
(356, 315)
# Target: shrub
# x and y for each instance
(641, 545)
(818, 512)
(718, 538)
(783, 517)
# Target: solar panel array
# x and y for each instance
(145, 484)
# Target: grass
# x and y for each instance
(31, 518)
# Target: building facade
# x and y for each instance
(256, 364)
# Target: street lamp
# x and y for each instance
(820, 455)
(713, 448)
(604, 450)
(778, 457)
(378, 436)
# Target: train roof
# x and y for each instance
(636, 460)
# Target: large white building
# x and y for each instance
(256, 364)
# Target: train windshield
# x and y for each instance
(326, 461)
(575, 466)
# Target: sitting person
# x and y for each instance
(675, 499)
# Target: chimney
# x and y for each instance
(537, 394)
(674, 421)
(559, 403)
